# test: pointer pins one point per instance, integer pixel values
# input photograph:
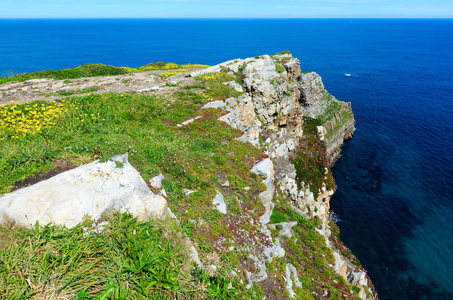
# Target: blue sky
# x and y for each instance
(226, 9)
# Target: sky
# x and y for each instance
(226, 9)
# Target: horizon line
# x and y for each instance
(215, 18)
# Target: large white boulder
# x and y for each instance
(87, 191)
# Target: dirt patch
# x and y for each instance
(60, 166)
(7, 237)
(272, 288)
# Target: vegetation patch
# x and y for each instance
(17, 119)
(168, 74)
(283, 52)
(215, 87)
(310, 160)
(78, 91)
(279, 68)
(277, 217)
(120, 259)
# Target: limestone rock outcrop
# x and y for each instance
(87, 191)
(277, 97)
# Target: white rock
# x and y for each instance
(219, 203)
(187, 192)
(90, 190)
(362, 294)
(289, 283)
(274, 251)
(156, 181)
(357, 278)
(340, 266)
(226, 183)
(281, 150)
(235, 85)
(187, 122)
(264, 168)
(215, 104)
(286, 228)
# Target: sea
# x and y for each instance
(394, 199)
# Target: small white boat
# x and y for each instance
(347, 74)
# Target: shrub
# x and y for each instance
(310, 161)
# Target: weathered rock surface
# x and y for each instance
(270, 114)
(87, 191)
(51, 89)
(289, 282)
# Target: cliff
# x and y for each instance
(241, 151)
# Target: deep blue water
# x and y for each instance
(395, 178)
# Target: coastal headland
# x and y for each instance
(195, 182)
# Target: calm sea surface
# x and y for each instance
(394, 202)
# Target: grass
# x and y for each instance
(168, 74)
(279, 68)
(125, 260)
(277, 217)
(334, 115)
(91, 70)
(87, 70)
(99, 126)
(78, 91)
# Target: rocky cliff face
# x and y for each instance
(271, 114)
(278, 100)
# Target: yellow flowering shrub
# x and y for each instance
(206, 97)
(168, 74)
(215, 76)
(193, 66)
(17, 119)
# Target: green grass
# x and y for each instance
(78, 91)
(279, 68)
(283, 52)
(277, 217)
(87, 70)
(126, 259)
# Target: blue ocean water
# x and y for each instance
(395, 180)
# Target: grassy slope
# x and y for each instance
(117, 263)
(91, 70)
